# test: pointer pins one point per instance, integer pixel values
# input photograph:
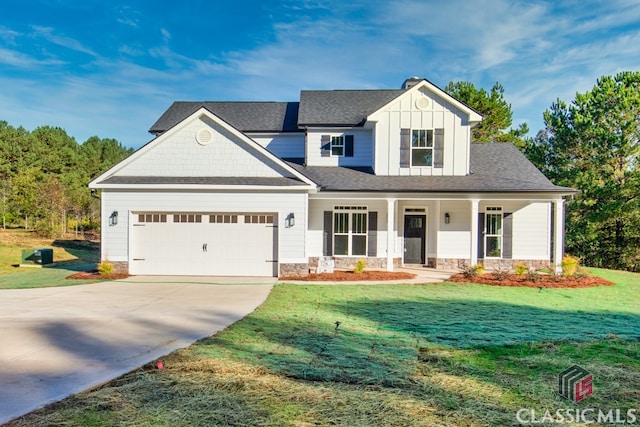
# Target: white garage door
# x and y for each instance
(208, 244)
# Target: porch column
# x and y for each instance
(474, 232)
(391, 220)
(558, 238)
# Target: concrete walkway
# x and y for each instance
(55, 342)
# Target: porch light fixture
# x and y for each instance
(113, 218)
(290, 221)
(447, 218)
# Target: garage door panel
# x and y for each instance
(205, 248)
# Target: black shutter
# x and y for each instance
(480, 235)
(348, 145)
(372, 235)
(438, 148)
(405, 148)
(325, 146)
(327, 241)
(507, 235)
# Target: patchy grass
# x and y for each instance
(69, 255)
(411, 355)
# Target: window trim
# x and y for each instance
(351, 212)
(429, 136)
(497, 211)
(333, 143)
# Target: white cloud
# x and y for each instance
(166, 35)
(47, 33)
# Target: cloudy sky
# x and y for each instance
(96, 67)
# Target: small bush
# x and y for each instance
(570, 265)
(360, 266)
(470, 271)
(105, 268)
(500, 273)
(533, 275)
(520, 269)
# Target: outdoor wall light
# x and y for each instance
(447, 218)
(113, 218)
(290, 221)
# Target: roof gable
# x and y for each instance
(197, 150)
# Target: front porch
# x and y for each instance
(445, 232)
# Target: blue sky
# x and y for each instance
(111, 69)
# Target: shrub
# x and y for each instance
(533, 275)
(105, 268)
(470, 271)
(570, 265)
(500, 273)
(520, 269)
(360, 266)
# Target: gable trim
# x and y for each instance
(202, 111)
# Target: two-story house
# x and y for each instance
(268, 188)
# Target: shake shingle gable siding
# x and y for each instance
(495, 168)
(244, 116)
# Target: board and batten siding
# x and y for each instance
(181, 155)
(404, 114)
(284, 145)
(362, 148)
(291, 241)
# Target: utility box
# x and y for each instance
(42, 256)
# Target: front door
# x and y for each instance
(414, 235)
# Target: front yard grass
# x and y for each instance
(69, 255)
(390, 355)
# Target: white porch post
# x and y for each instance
(391, 220)
(474, 232)
(558, 238)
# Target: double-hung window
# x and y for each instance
(422, 147)
(337, 146)
(350, 230)
(493, 232)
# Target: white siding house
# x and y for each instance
(389, 176)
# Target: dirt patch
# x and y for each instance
(93, 275)
(542, 281)
(350, 276)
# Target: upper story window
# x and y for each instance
(337, 146)
(422, 147)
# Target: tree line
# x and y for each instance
(44, 175)
(592, 144)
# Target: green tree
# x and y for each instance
(496, 125)
(593, 145)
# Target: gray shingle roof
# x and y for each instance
(203, 180)
(341, 107)
(244, 116)
(496, 168)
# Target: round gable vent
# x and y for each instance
(422, 103)
(204, 137)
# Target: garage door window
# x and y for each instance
(152, 217)
(186, 218)
(223, 219)
(258, 219)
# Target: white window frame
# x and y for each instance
(337, 142)
(499, 233)
(351, 212)
(420, 140)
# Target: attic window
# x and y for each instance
(204, 137)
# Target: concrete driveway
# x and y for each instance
(55, 342)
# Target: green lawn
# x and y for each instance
(69, 256)
(402, 355)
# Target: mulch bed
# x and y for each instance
(350, 276)
(544, 281)
(92, 275)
